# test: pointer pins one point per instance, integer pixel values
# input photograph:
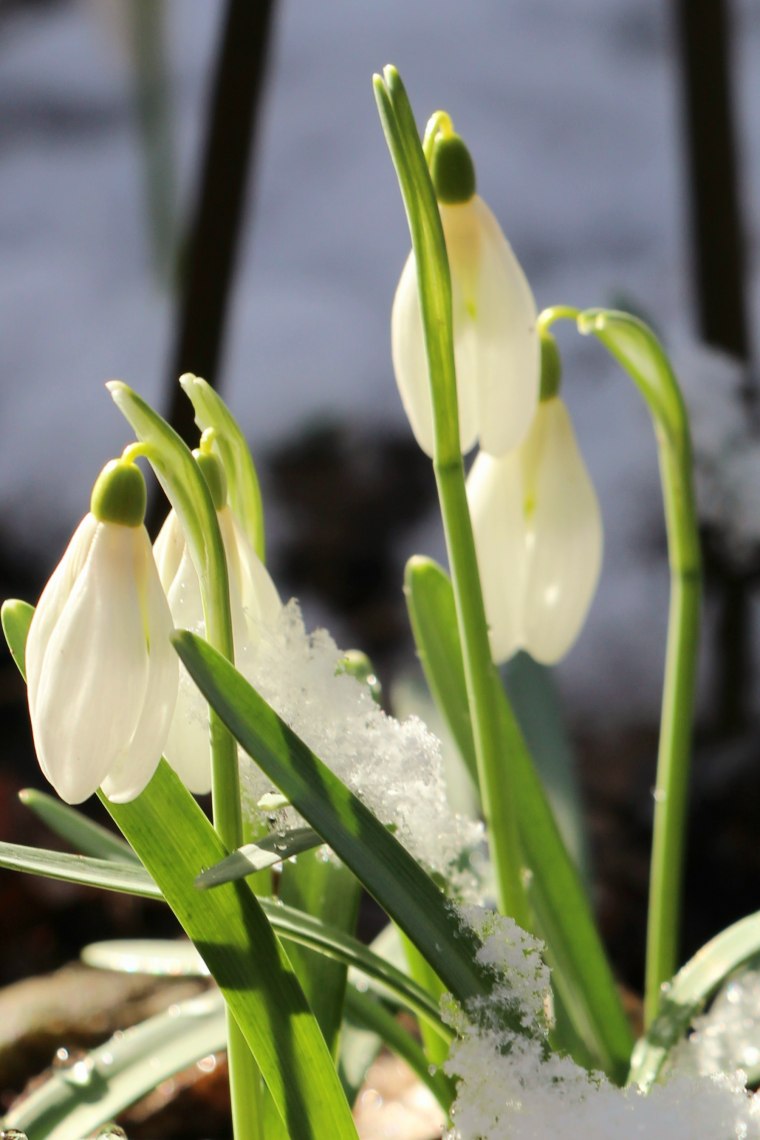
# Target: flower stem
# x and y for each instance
(673, 760)
(638, 351)
(499, 804)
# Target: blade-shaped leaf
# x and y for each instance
(690, 989)
(372, 1015)
(127, 878)
(267, 852)
(378, 860)
(290, 924)
(556, 892)
(77, 1100)
(81, 833)
(320, 885)
(237, 943)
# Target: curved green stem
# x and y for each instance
(638, 351)
(429, 246)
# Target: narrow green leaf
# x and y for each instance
(685, 996)
(533, 695)
(253, 857)
(375, 969)
(370, 1013)
(564, 918)
(81, 833)
(321, 885)
(125, 877)
(244, 490)
(77, 1100)
(377, 859)
(237, 943)
(434, 626)
(16, 617)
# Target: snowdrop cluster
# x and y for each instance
(536, 518)
(105, 695)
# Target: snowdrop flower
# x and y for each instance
(496, 345)
(101, 671)
(254, 603)
(538, 535)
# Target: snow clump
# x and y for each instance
(394, 767)
(512, 1087)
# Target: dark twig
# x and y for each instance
(718, 261)
(208, 263)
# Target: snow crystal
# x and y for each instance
(511, 1087)
(727, 1037)
(394, 767)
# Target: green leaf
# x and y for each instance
(244, 490)
(290, 924)
(127, 878)
(16, 618)
(253, 857)
(436, 636)
(237, 943)
(81, 833)
(321, 885)
(581, 971)
(377, 859)
(77, 1100)
(685, 996)
(372, 1015)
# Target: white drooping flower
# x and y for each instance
(101, 671)
(538, 536)
(254, 604)
(496, 346)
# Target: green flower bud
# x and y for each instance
(213, 473)
(452, 170)
(119, 494)
(551, 366)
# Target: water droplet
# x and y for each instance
(112, 1132)
(13, 1134)
(81, 1072)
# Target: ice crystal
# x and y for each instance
(511, 1087)
(394, 767)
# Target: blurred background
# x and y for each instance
(205, 187)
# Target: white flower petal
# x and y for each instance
(168, 549)
(410, 359)
(538, 536)
(187, 745)
(253, 595)
(495, 499)
(138, 762)
(509, 357)
(496, 346)
(93, 681)
(565, 535)
(52, 601)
